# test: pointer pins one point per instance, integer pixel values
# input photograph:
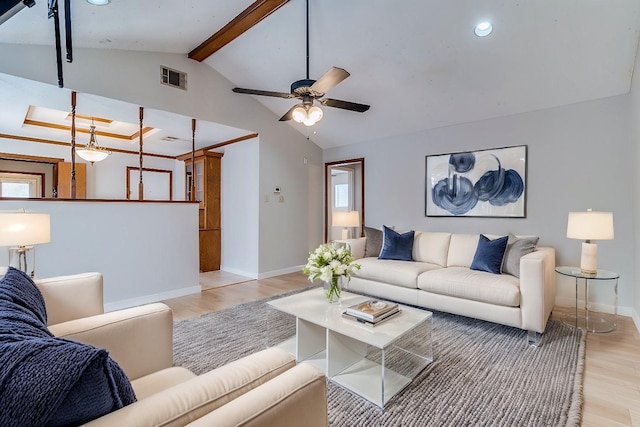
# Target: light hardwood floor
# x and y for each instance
(612, 366)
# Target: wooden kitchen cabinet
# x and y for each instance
(207, 192)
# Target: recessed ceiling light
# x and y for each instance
(99, 2)
(483, 29)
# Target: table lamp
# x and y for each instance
(20, 231)
(346, 220)
(590, 226)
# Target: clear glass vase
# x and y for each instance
(333, 290)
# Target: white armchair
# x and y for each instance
(266, 388)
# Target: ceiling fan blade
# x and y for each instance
(329, 79)
(345, 105)
(263, 93)
(288, 114)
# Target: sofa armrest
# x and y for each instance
(195, 398)
(356, 246)
(140, 339)
(72, 297)
(297, 397)
(537, 288)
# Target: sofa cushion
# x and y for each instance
(399, 273)
(461, 282)
(397, 246)
(159, 381)
(373, 244)
(517, 247)
(431, 247)
(462, 248)
(489, 254)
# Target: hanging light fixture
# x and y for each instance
(307, 114)
(92, 152)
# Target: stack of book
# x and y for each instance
(372, 312)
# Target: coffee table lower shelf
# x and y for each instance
(363, 377)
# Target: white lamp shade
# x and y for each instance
(92, 155)
(299, 114)
(346, 219)
(590, 225)
(24, 228)
(315, 114)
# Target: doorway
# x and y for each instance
(344, 192)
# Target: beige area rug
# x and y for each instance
(483, 374)
(219, 278)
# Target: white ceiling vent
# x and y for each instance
(173, 78)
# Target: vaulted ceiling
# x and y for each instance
(416, 62)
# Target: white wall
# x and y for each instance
(635, 155)
(240, 208)
(287, 230)
(579, 157)
(146, 251)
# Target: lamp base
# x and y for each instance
(23, 258)
(346, 233)
(589, 258)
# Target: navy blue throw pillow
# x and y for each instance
(489, 254)
(397, 246)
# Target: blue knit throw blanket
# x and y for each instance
(45, 380)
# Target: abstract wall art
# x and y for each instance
(483, 183)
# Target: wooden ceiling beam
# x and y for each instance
(249, 17)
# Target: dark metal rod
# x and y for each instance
(67, 29)
(307, 39)
(56, 23)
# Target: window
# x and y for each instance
(342, 196)
(20, 185)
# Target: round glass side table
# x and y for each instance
(591, 320)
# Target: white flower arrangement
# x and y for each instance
(329, 263)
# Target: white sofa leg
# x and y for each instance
(534, 338)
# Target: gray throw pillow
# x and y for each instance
(373, 244)
(516, 249)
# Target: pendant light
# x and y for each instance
(92, 152)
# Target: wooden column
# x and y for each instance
(193, 160)
(140, 184)
(73, 145)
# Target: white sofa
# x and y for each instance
(439, 278)
(266, 388)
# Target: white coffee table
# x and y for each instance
(373, 362)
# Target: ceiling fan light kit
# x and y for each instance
(308, 90)
(306, 115)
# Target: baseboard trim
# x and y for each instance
(274, 273)
(602, 308)
(147, 299)
(239, 272)
(636, 319)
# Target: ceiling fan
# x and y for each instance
(308, 90)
